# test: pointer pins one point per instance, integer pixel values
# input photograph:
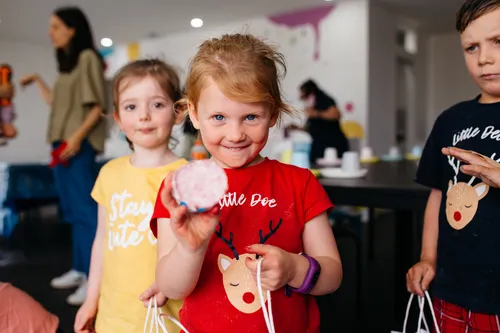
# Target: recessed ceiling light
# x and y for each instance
(106, 42)
(197, 23)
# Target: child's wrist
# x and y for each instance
(299, 271)
(429, 258)
(187, 252)
(92, 300)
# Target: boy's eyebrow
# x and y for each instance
(492, 36)
(495, 35)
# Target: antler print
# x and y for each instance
(455, 164)
(272, 231)
(229, 241)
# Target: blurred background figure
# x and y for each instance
(323, 121)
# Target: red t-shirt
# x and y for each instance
(269, 200)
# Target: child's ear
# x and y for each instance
(117, 119)
(179, 117)
(274, 119)
(193, 116)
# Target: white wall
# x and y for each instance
(356, 65)
(341, 70)
(30, 145)
(448, 79)
(418, 134)
(382, 76)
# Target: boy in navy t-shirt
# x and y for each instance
(460, 248)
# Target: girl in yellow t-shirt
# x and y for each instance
(124, 252)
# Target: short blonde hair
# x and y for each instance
(245, 69)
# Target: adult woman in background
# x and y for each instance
(77, 102)
(323, 121)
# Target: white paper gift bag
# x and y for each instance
(421, 317)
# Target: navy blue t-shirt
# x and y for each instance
(468, 254)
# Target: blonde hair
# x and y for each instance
(245, 69)
(164, 74)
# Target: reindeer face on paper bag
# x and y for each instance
(462, 199)
(239, 284)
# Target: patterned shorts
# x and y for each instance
(455, 319)
(7, 114)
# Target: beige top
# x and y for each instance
(71, 97)
(19, 313)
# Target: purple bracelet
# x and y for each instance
(310, 279)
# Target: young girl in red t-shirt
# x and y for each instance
(273, 211)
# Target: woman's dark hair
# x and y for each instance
(82, 40)
(309, 87)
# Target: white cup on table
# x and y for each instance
(350, 161)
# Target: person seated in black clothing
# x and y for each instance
(323, 123)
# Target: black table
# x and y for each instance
(388, 186)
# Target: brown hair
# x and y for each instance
(472, 10)
(164, 74)
(245, 69)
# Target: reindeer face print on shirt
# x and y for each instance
(463, 199)
(239, 284)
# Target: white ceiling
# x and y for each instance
(126, 20)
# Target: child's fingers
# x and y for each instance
(475, 170)
(166, 194)
(80, 325)
(491, 176)
(214, 211)
(146, 295)
(177, 216)
(413, 280)
(161, 299)
(426, 280)
(77, 326)
(260, 249)
(251, 265)
(417, 284)
(467, 156)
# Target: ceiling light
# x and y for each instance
(106, 42)
(197, 23)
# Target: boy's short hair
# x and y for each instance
(473, 9)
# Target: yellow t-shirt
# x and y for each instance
(128, 194)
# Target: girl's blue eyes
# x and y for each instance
(219, 117)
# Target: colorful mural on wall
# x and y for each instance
(312, 16)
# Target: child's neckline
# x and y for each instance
(172, 163)
(258, 165)
(477, 100)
